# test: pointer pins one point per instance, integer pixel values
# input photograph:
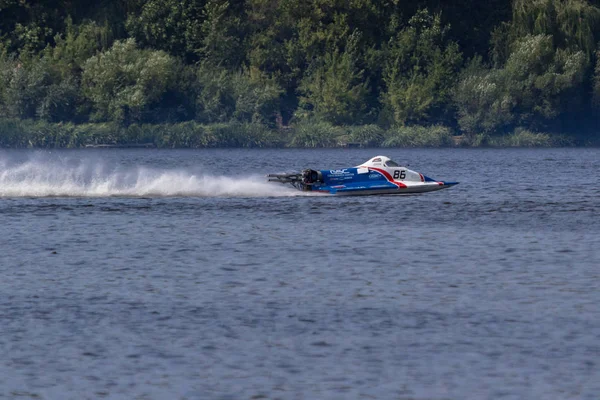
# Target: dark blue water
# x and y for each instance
(183, 275)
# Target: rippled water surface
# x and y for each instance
(183, 275)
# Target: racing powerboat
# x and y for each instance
(379, 175)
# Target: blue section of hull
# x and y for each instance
(351, 175)
(359, 189)
(355, 190)
(364, 181)
(350, 181)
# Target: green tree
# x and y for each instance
(241, 96)
(533, 89)
(336, 90)
(23, 87)
(542, 69)
(127, 84)
(596, 87)
(289, 40)
(171, 25)
(80, 42)
(31, 25)
(573, 24)
(35, 87)
(420, 71)
(483, 104)
(222, 33)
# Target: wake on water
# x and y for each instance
(43, 177)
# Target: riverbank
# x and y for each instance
(38, 134)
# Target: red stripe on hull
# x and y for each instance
(389, 177)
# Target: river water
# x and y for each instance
(150, 274)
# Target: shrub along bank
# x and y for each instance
(15, 133)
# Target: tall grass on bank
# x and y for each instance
(39, 134)
(419, 136)
(26, 133)
(15, 133)
(521, 138)
(194, 135)
(316, 134)
(366, 135)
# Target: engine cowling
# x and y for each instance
(310, 177)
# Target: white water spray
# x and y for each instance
(41, 177)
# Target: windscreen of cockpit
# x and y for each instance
(390, 163)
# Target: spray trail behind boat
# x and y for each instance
(42, 176)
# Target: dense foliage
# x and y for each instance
(201, 73)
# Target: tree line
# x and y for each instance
(479, 69)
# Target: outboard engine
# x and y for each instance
(310, 177)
